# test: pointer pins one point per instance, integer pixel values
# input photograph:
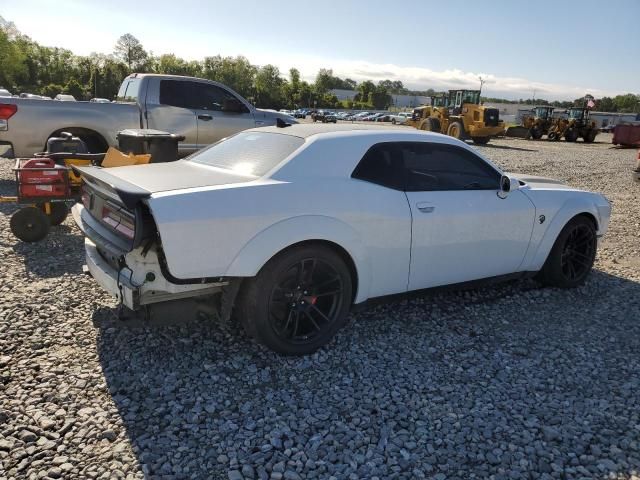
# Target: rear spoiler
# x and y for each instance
(128, 193)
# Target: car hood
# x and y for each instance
(541, 183)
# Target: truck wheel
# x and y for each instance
(431, 125)
(572, 255)
(29, 224)
(552, 136)
(571, 135)
(298, 300)
(59, 212)
(536, 133)
(456, 130)
(481, 140)
(590, 136)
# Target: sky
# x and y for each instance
(560, 49)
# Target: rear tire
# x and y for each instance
(30, 224)
(59, 212)
(298, 300)
(572, 255)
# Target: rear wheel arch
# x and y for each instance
(96, 143)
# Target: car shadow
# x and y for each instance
(190, 381)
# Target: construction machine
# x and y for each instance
(460, 115)
(540, 122)
(426, 117)
(576, 125)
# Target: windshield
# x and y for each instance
(542, 112)
(440, 102)
(249, 153)
(471, 96)
(575, 114)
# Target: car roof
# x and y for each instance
(306, 130)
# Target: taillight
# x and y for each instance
(86, 199)
(7, 110)
(118, 219)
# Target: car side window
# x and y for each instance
(210, 97)
(382, 165)
(438, 167)
(175, 93)
(194, 95)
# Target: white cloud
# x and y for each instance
(419, 78)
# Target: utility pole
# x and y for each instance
(534, 96)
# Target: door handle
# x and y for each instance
(425, 207)
(205, 117)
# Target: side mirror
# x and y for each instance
(507, 185)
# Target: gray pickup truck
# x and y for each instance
(202, 110)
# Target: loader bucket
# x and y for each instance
(517, 131)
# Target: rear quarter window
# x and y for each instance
(249, 153)
(129, 90)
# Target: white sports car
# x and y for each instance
(294, 224)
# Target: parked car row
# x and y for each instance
(62, 97)
(325, 116)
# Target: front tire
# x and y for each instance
(572, 255)
(571, 135)
(298, 300)
(456, 130)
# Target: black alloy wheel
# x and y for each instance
(305, 301)
(578, 253)
(298, 300)
(572, 256)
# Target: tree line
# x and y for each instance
(627, 103)
(27, 66)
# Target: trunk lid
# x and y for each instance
(135, 182)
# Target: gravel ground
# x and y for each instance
(511, 381)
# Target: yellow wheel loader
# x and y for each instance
(540, 123)
(427, 117)
(460, 115)
(576, 125)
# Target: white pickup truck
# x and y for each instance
(202, 110)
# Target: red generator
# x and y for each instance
(41, 178)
